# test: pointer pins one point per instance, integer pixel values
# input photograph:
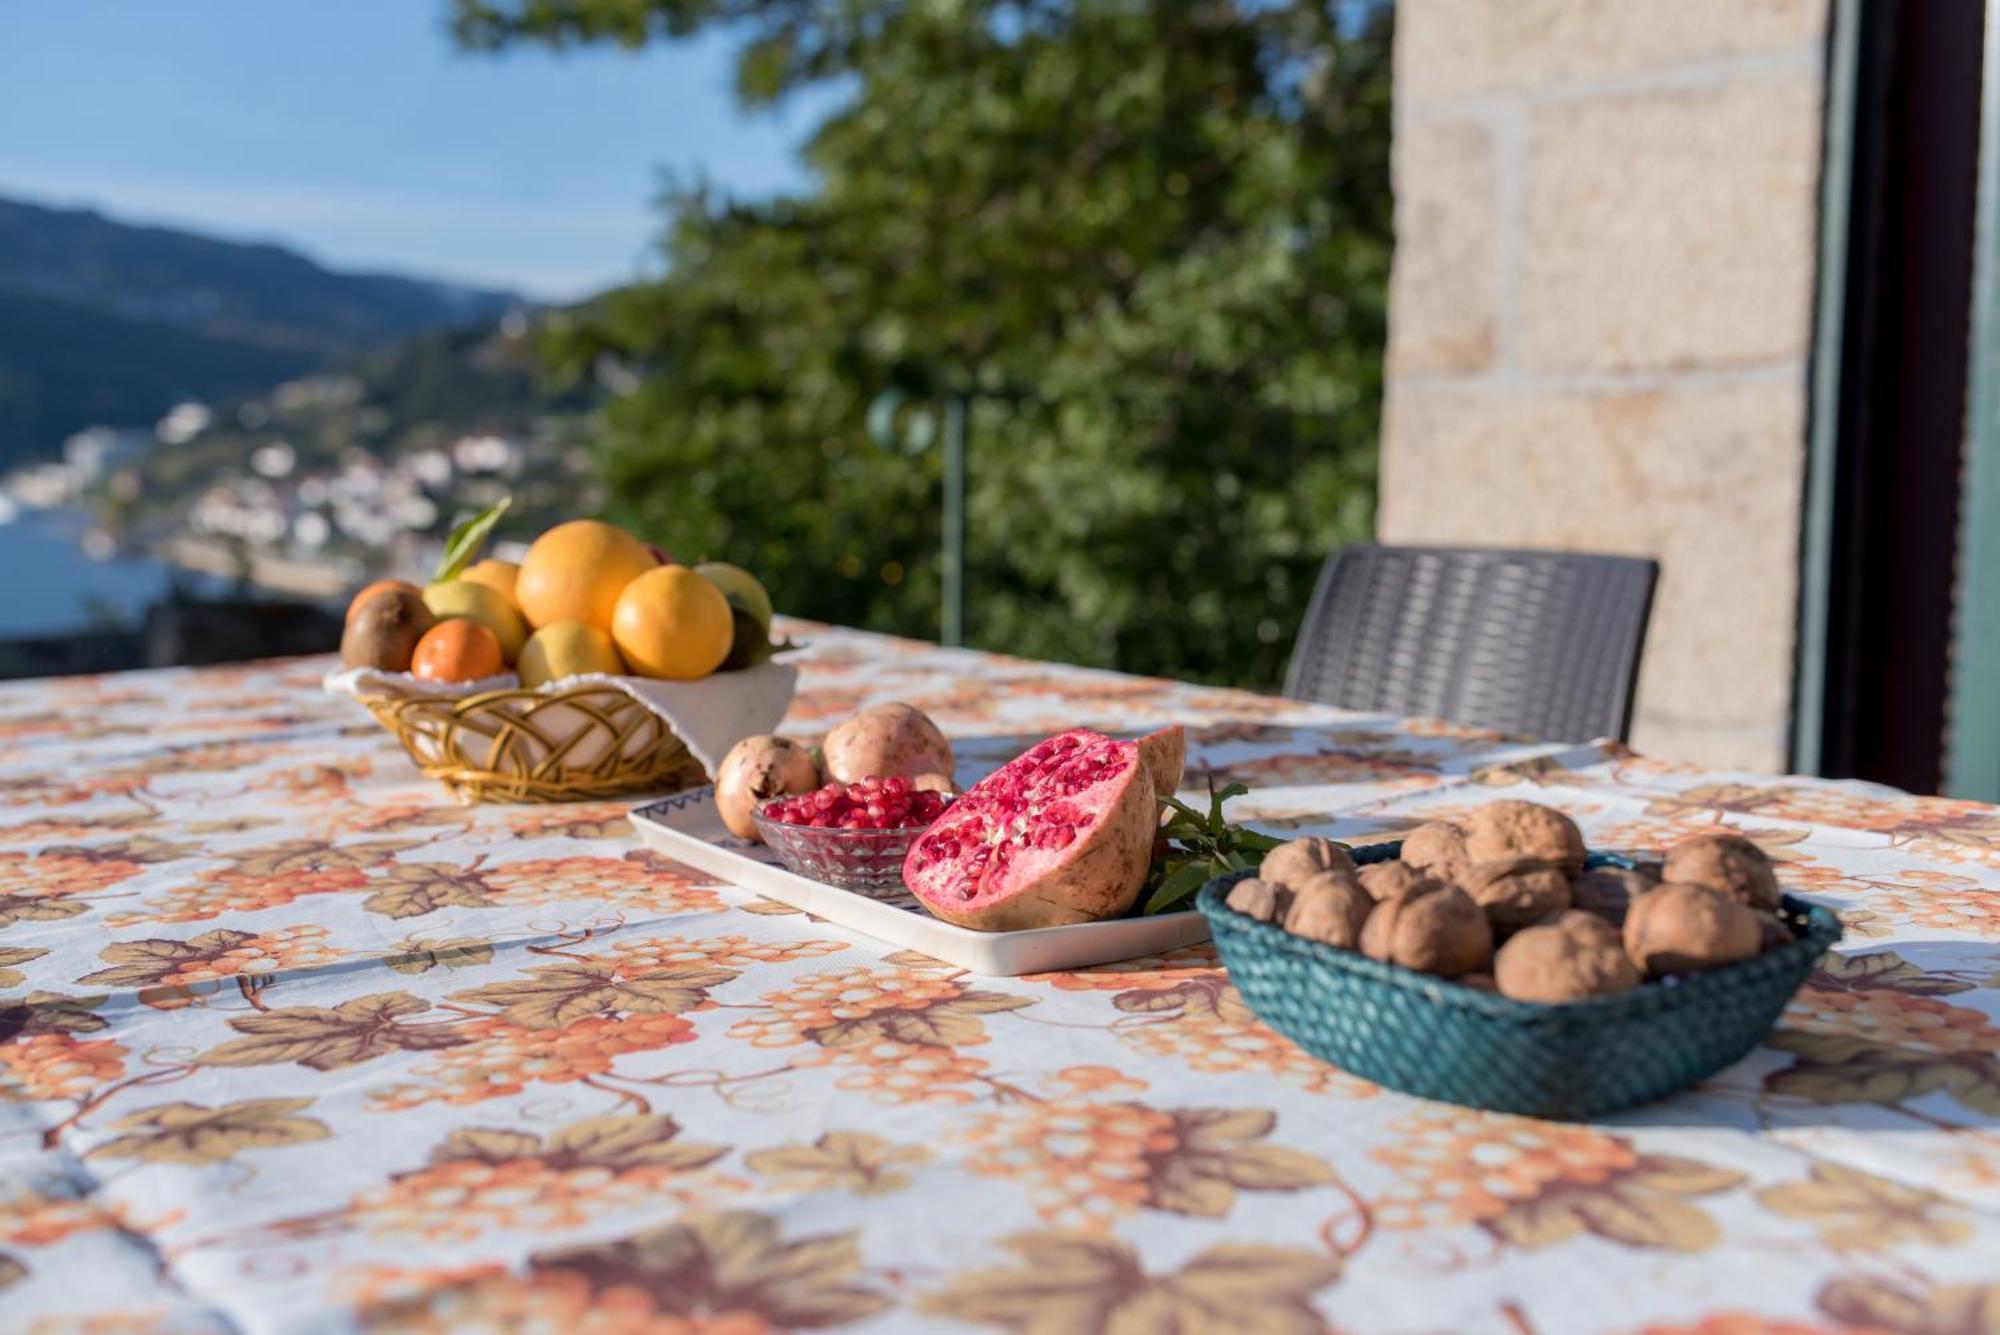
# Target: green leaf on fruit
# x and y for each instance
(467, 538)
(1195, 846)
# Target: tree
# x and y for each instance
(1151, 236)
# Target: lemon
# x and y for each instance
(566, 649)
(495, 574)
(739, 586)
(477, 602)
(670, 622)
(576, 571)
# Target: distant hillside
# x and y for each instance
(103, 321)
(63, 368)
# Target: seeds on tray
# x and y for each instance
(1516, 892)
(1515, 829)
(871, 804)
(1681, 928)
(1574, 954)
(1294, 862)
(1728, 863)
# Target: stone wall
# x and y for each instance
(1606, 220)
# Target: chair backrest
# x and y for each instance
(1541, 643)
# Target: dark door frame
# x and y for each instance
(1889, 386)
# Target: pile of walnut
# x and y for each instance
(1512, 877)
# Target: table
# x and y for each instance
(293, 1043)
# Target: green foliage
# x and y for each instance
(1152, 238)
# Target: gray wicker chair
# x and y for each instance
(1541, 643)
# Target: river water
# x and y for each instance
(49, 587)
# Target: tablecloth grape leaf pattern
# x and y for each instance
(1062, 1284)
(420, 955)
(51, 1013)
(415, 889)
(155, 960)
(1857, 1211)
(1905, 1309)
(734, 1261)
(289, 1038)
(188, 1133)
(553, 996)
(942, 1024)
(1883, 969)
(13, 955)
(856, 1161)
(331, 1038)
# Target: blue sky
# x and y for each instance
(353, 130)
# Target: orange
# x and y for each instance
(495, 574)
(457, 650)
(670, 622)
(354, 603)
(576, 571)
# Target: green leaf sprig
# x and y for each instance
(1196, 847)
(467, 538)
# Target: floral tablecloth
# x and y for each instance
(293, 1043)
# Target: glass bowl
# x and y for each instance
(869, 860)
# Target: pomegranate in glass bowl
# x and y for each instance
(855, 835)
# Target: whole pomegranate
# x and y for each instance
(886, 741)
(756, 770)
(1060, 834)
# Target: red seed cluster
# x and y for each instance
(869, 804)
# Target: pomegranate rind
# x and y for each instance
(992, 863)
(1164, 754)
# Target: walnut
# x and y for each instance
(1437, 848)
(1261, 900)
(1523, 830)
(1680, 928)
(1478, 982)
(1392, 880)
(1772, 932)
(1728, 863)
(1609, 891)
(1572, 955)
(1300, 859)
(1436, 930)
(1330, 907)
(1516, 892)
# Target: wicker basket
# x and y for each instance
(1440, 1040)
(517, 745)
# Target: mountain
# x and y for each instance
(109, 322)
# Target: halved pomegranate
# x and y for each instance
(1164, 754)
(1060, 834)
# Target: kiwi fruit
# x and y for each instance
(384, 630)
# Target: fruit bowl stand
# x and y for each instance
(577, 739)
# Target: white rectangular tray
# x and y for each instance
(688, 829)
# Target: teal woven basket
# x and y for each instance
(1426, 1036)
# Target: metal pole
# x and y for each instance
(957, 425)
